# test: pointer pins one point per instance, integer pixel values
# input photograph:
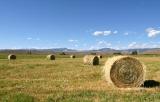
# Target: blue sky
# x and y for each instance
(79, 24)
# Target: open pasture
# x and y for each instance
(33, 78)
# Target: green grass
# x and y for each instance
(101, 96)
(32, 78)
(18, 98)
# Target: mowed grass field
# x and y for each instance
(32, 78)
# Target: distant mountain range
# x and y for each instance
(140, 50)
(103, 50)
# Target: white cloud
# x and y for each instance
(156, 46)
(115, 32)
(133, 44)
(29, 38)
(104, 33)
(107, 32)
(71, 40)
(152, 32)
(76, 45)
(144, 45)
(126, 33)
(92, 48)
(101, 44)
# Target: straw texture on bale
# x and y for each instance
(100, 56)
(51, 57)
(124, 72)
(12, 57)
(72, 56)
(91, 60)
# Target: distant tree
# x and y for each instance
(62, 53)
(93, 53)
(117, 53)
(29, 52)
(134, 52)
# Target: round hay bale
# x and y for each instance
(72, 56)
(91, 60)
(124, 72)
(12, 57)
(51, 57)
(100, 56)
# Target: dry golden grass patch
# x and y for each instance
(65, 78)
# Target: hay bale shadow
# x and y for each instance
(150, 84)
